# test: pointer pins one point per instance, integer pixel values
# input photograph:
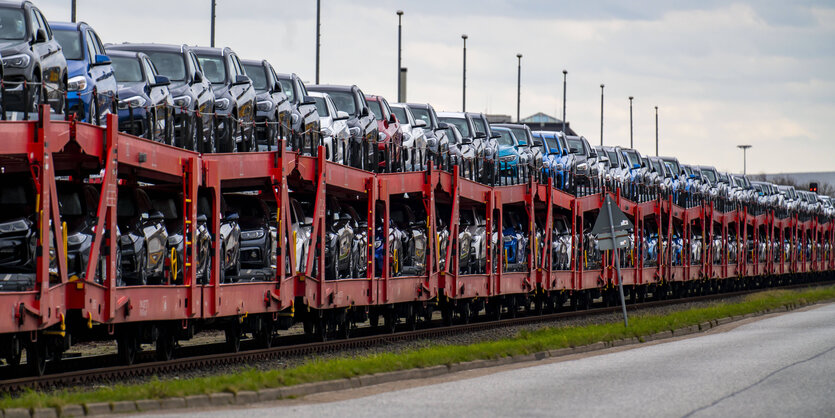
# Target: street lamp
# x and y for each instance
(744, 149)
(518, 87)
(318, 38)
(72, 12)
(630, 123)
(564, 75)
(601, 114)
(212, 39)
(656, 131)
(399, 51)
(464, 85)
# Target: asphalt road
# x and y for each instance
(778, 366)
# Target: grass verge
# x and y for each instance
(344, 367)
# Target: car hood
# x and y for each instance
(126, 90)
(12, 47)
(507, 150)
(75, 68)
(177, 88)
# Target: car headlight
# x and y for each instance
(16, 226)
(76, 238)
(77, 83)
(256, 234)
(326, 131)
(381, 136)
(135, 101)
(582, 167)
(406, 136)
(265, 105)
(182, 101)
(508, 158)
(222, 103)
(17, 61)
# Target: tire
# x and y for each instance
(233, 338)
(165, 345)
(127, 346)
(36, 358)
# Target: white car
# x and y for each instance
(414, 138)
(334, 127)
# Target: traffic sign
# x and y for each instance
(618, 218)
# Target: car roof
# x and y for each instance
(67, 25)
(253, 62)
(509, 125)
(419, 105)
(331, 87)
(147, 47)
(127, 54)
(460, 115)
(206, 50)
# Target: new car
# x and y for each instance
(530, 154)
(361, 123)
(235, 98)
(508, 157)
(144, 237)
(273, 108)
(465, 127)
(78, 203)
(482, 130)
(91, 85)
(414, 138)
(18, 233)
(390, 143)
(230, 239)
(462, 151)
(337, 135)
(339, 241)
(254, 220)
(412, 224)
(31, 56)
(304, 119)
(436, 141)
(191, 92)
(145, 103)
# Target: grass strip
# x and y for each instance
(526, 342)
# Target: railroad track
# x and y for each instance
(194, 357)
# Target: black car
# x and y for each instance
(436, 140)
(78, 203)
(413, 225)
(18, 233)
(191, 92)
(31, 55)
(273, 108)
(145, 104)
(235, 98)
(144, 237)
(254, 219)
(361, 122)
(230, 240)
(339, 241)
(304, 118)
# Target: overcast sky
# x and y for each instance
(722, 73)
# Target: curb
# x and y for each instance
(272, 394)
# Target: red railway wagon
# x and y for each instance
(739, 246)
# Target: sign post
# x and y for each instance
(618, 226)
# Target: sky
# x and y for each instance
(722, 73)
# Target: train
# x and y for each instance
(107, 236)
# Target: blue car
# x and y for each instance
(508, 156)
(91, 83)
(555, 157)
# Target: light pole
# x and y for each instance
(656, 131)
(601, 114)
(72, 13)
(399, 53)
(318, 38)
(630, 122)
(744, 149)
(212, 39)
(518, 87)
(464, 85)
(564, 75)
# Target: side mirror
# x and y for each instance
(156, 216)
(232, 216)
(364, 112)
(277, 87)
(241, 79)
(202, 217)
(40, 36)
(307, 100)
(480, 135)
(101, 60)
(392, 118)
(161, 80)
(495, 136)
(340, 115)
(420, 123)
(198, 77)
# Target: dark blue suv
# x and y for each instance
(91, 83)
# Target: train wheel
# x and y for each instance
(127, 346)
(36, 358)
(13, 359)
(512, 309)
(391, 321)
(494, 311)
(465, 312)
(344, 328)
(233, 338)
(265, 334)
(322, 329)
(411, 318)
(374, 320)
(308, 325)
(165, 345)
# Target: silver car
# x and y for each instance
(334, 126)
(414, 138)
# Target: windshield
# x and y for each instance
(576, 146)
(400, 113)
(553, 146)
(287, 87)
(376, 109)
(127, 70)
(613, 157)
(344, 101)
(213, 69)
(169, 64)
(672, 166)
(521, 135)
(632, 158)
(450, 134)
(479, 125)
(12, 24)
(423, 114)
(688, 171)
(710, 175)
(258, 76)
(459, 123)
(656, 165)
(321, 106)
(70, 41)
(505, 137)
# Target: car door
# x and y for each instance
(244, 93)
(43, 50)
(101, 74)
(158, 95)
